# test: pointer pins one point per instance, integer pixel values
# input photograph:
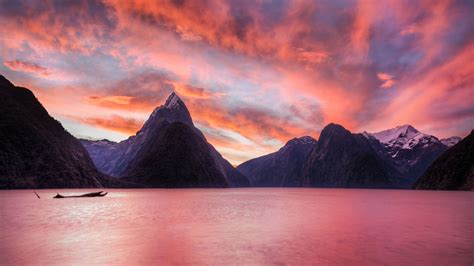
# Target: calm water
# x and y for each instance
(238, 226)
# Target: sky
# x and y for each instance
(253, 74)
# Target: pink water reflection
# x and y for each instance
(238, 226)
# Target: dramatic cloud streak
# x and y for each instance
(253, 73)
(18, 65)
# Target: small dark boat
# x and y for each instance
(87, 195)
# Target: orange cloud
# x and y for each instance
(221, 26)
(120, 99)
(115, 123)
(195, 92)
(130, 105)
(252, 123)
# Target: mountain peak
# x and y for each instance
(408, 128)
(334, 133)
(174, 110)
(332, 129)
(173, 101)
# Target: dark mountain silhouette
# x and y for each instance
(175, 156)
(282, 168)
(124, 158)
(35, 150)
(453, 170)
(343, 159)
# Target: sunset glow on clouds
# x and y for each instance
(253, 74)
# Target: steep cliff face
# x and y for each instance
(35, 150)
(453, 170)
(342, 159)
(282, 168)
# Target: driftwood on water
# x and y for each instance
(87, 195)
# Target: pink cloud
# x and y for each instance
(28, 67)
(387, 80)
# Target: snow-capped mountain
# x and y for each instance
(408, 149)
(403, 137)
(451, 141)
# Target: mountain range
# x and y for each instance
(170, 152)
(394, 158)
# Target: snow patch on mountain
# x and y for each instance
(403, 137)
(451, 141)
(387, 136)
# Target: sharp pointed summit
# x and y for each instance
(174, 101)
(168, 151)
(174, 110)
